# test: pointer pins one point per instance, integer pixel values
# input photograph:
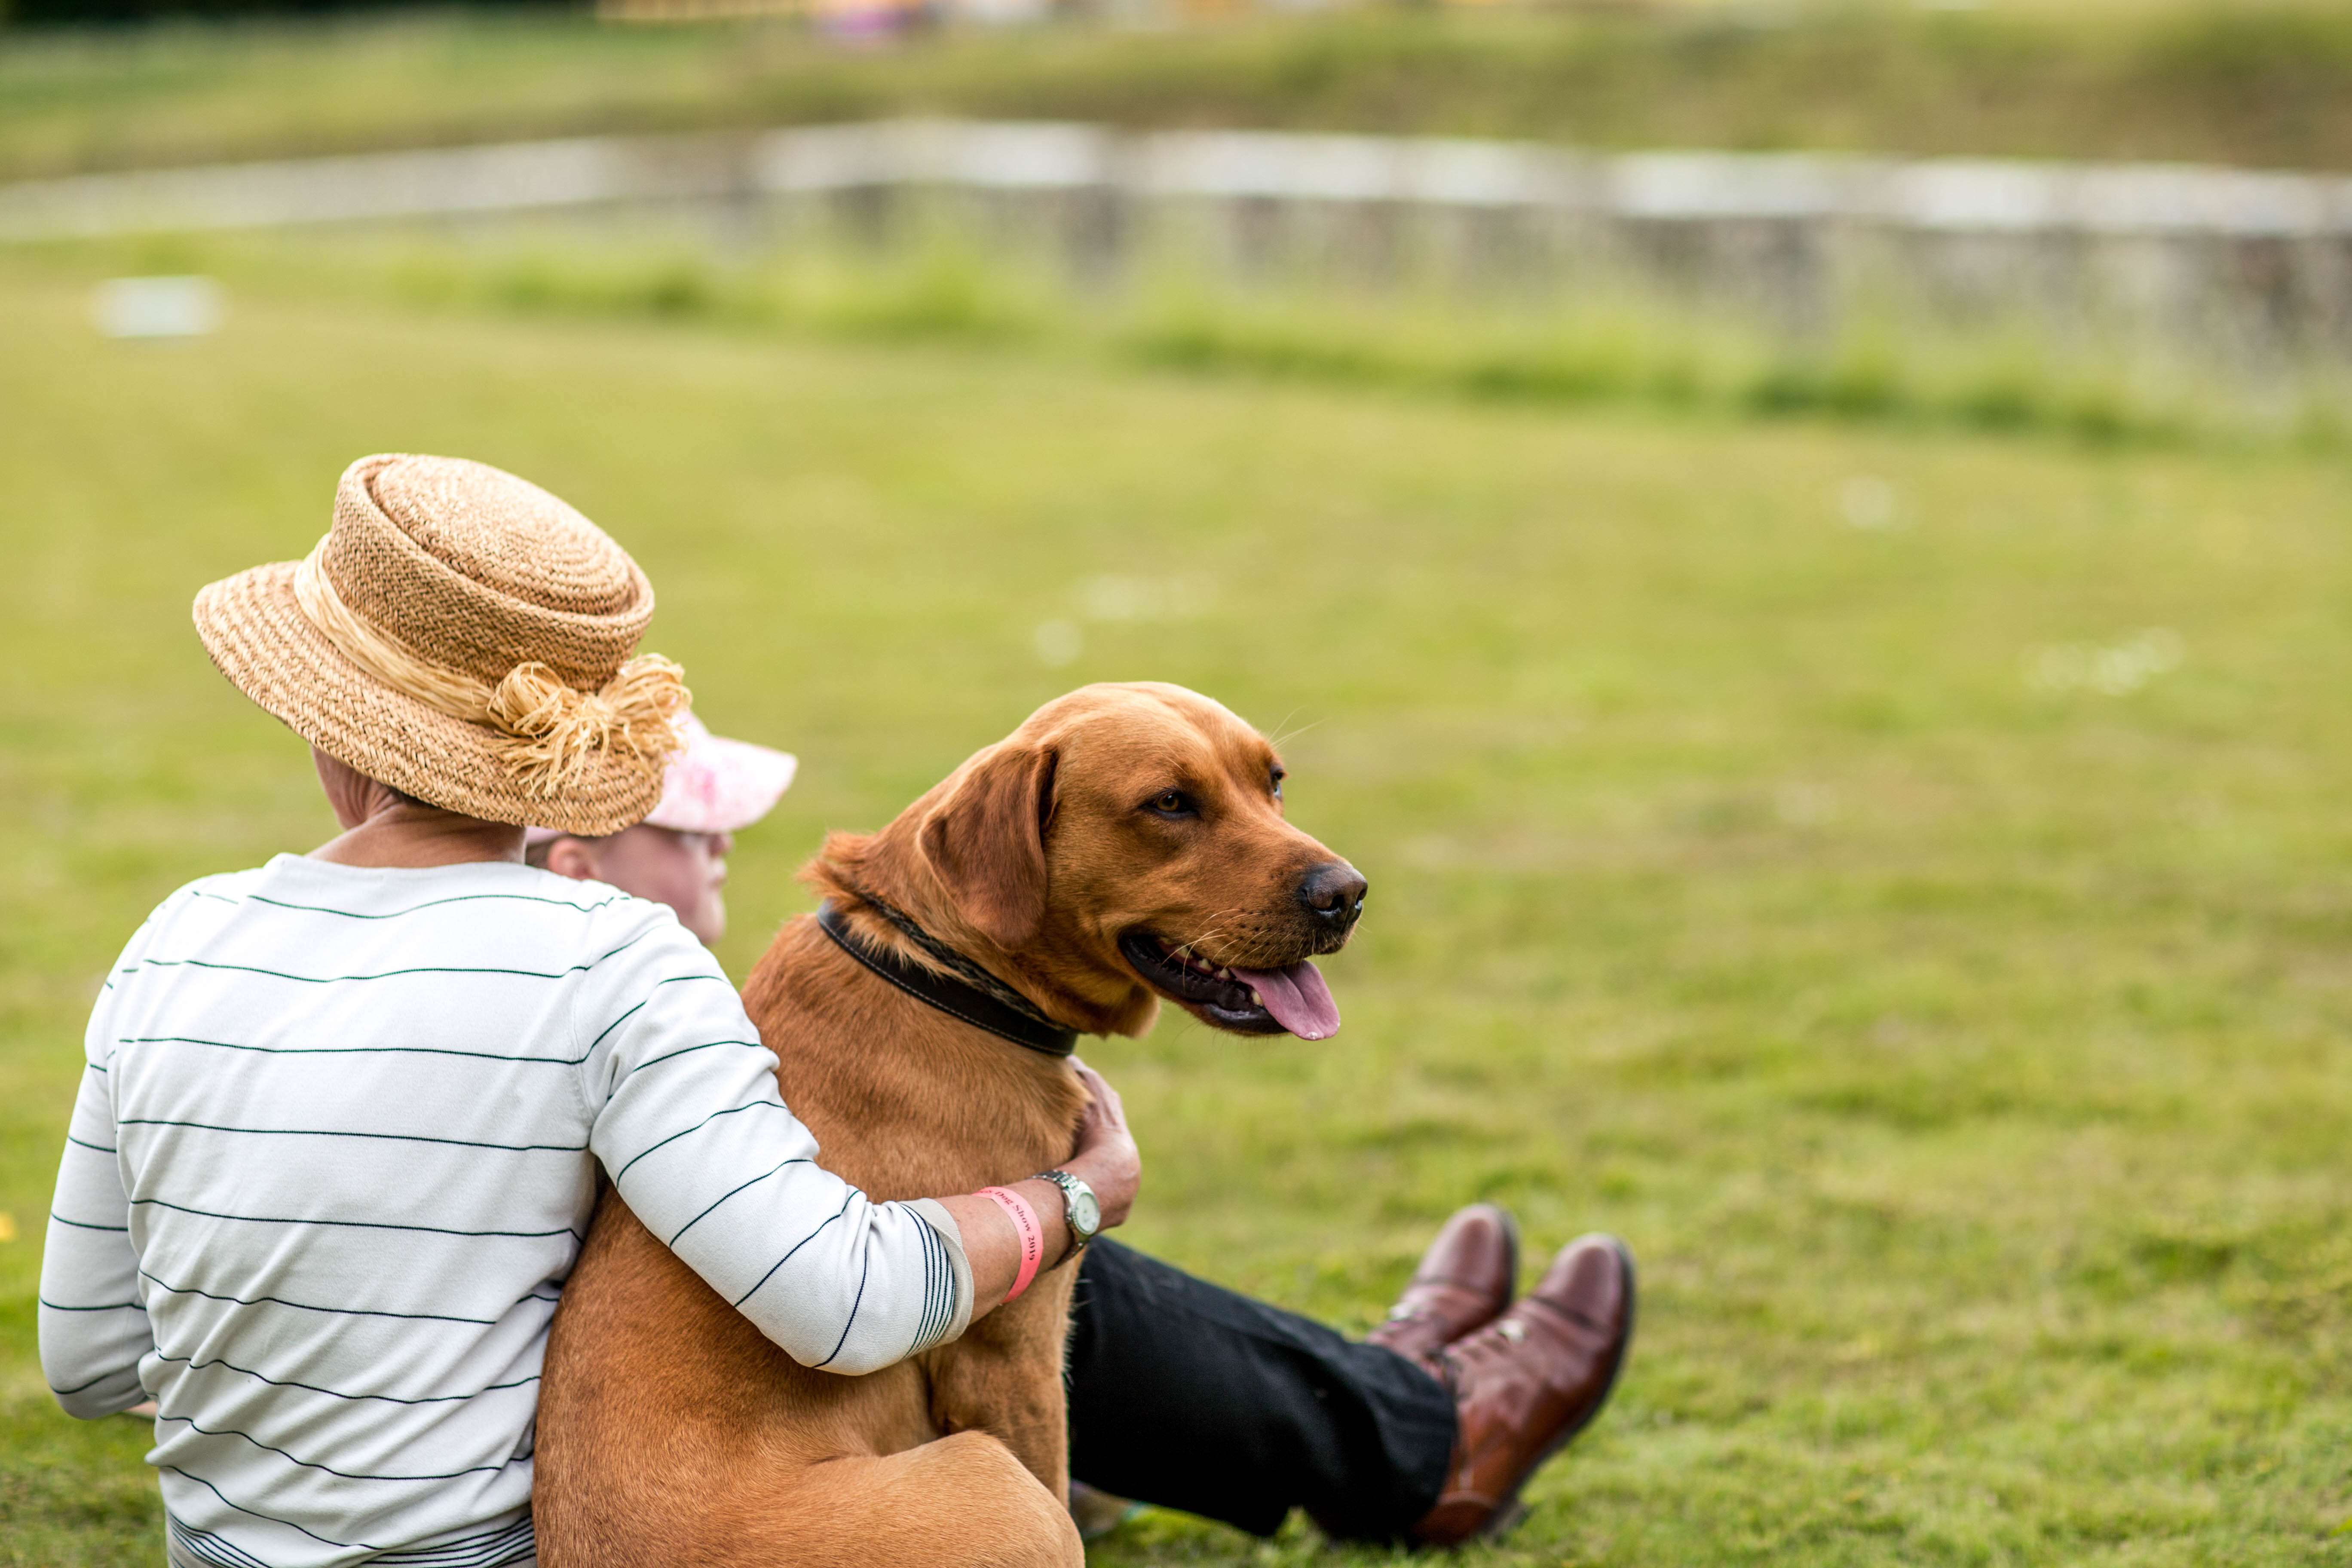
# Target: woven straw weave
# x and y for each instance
(467, 566)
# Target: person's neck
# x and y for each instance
(414, 836)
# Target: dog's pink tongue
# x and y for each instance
(1296, 997)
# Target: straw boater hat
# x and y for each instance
(463, 637)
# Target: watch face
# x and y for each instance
(1085, 1214)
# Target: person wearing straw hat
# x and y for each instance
(343, 1117)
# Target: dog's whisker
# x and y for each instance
(1283, 733)
(1193, 946)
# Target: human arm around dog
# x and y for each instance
(685, 1116)
(1106, 1160)
(686, 1119)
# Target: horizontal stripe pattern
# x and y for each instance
(335, 1157)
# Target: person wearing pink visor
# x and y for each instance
(678, 854)
(1196, 1397)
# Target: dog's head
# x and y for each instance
(1126, 844)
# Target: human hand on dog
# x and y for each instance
(1107, 1158)
(993, 1241)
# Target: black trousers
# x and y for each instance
(1197, 1398)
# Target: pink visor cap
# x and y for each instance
(714, 785)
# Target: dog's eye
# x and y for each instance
(1173, 803)
(1276, 779)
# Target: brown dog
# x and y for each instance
(1126, 844)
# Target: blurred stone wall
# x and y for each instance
(2252, 268)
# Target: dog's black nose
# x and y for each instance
(1334, 893)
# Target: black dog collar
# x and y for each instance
(957, 998)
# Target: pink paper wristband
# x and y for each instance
(1032, 1236)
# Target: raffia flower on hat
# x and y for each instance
(464, 637)
(713, 785)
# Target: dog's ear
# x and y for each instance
(986, 842)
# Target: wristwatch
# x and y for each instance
(1079, 1208)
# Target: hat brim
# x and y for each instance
(258, 637)
(718, 785)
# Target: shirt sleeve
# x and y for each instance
(93, 1321)
(685, 1116)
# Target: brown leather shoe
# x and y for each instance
(1528, 1382)
(1465, 1278)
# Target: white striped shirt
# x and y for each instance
(335, 1153)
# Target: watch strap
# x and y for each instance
(1069, 1183)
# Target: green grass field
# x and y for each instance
(1897, 878)
(2246, 81)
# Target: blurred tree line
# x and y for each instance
(100, 12)
(2253, 82)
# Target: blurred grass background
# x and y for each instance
(1891, 875)
(938, 278)
(2266, 83)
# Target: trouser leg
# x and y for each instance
(1194, 1397)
